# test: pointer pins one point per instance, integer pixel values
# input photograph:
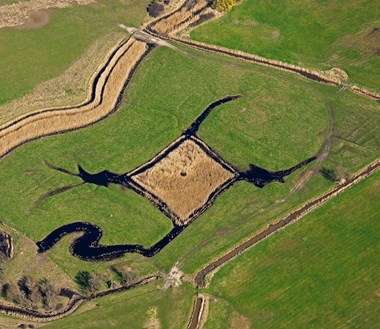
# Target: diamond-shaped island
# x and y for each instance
(184, 179)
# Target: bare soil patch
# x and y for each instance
(33, 14)
(184, 179)
(152, 321)
(239, 321)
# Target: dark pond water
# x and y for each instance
(87, 246)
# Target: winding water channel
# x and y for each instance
(88, 247)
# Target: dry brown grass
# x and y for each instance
(239, 321)
(184, 179)
(45, 123)
(172, 23)
(69, 89)
(33, 13)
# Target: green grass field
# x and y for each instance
(31, 56)
(309, 33)
(138, 308)
(280, 120)
(134, 309)
(321, 272)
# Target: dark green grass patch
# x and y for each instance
(312, 33)
(321, 272)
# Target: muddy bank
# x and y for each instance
(6, 246)
(196, 313)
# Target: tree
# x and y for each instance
(329, 174)
(155, 9)
(48, 293)
(223, 5)
(83, 279)
(96, 282)
(25, 285)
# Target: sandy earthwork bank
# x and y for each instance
(107, 87)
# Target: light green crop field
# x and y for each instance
(31, 56)
(311, 33)
(321, 272)
(280, 120)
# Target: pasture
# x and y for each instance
(306, 33)
(280, 120)
(321, 272)
(29, 57)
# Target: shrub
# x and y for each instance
(155, 9)
(83, 279)
(223, 5)
(329, 174)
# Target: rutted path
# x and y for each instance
(200, 278)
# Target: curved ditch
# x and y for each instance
(306, 73)
(88, 248)
(93, 88)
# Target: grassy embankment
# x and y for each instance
(29, 57)
(321, 272)
(280, 120)
(332, 34)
